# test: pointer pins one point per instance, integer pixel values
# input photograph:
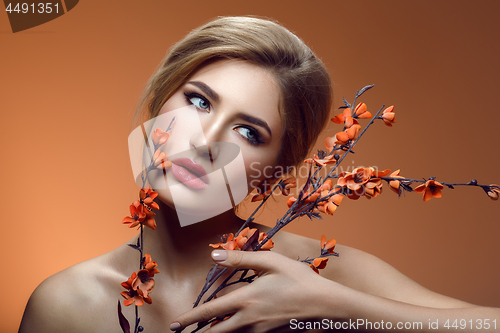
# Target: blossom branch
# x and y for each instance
(141, 283)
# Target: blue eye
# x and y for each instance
(250, 134)
(197, 100)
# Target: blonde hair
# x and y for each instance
(304, 82)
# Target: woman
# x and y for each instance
(253, 84)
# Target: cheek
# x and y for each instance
(184, 124)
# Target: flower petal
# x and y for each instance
(338, 119)
(330, 142)
(389, 109)
(347, 113)
(330, 208)
(154, 205)
(128, 302)
(320, 262)
(437, 193)
(388, 116)
(420, 188)
(427, 194)
(352, 133)
(348, 121)
(314, 268)
(493, 195)
(150, 223)
(365, 115)
(336, 198)
(128, 219)
(330, 245)
(342, 137)
(394, 185)
(361, 108)
(379, 174)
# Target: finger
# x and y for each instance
(260, 261)
(216, 307)
(232, 324)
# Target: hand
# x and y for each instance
(285, 289)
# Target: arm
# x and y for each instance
(370, 312)
(364, 272)
(288, 289)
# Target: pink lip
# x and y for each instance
(190, 173)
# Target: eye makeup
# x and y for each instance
(250, 134)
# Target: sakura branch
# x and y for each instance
(141, 283)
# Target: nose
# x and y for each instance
(206, 143)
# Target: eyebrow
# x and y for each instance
(207, 90)
(255, 121)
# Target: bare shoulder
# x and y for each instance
(367, 273)
(295, 246)
(364, 272)
(77, 299)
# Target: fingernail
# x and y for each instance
(219, 255)
(175, 326)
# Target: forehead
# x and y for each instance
(243, 87)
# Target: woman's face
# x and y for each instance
(227, 129)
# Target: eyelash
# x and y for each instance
(255, 141)
(191, 95)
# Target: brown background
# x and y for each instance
(69, 88)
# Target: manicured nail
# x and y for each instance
(219, 255)
(175, 326)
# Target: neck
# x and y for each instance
(184, 249)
